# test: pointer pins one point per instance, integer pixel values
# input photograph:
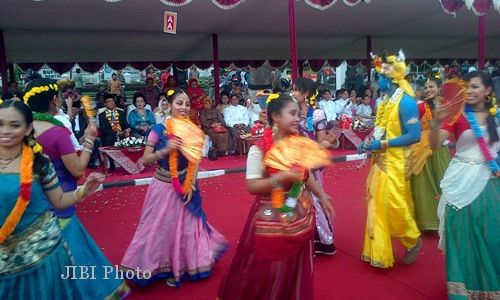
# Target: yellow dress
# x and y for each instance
(389, 199)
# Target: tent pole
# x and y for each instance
(3, 63)
(215, 52)
(293, 38)
(12, 74)
(481, 42)
(368, 56)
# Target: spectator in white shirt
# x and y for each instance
(253, 111)
(364, 111)
(328, 106)
(344, 106)
(237, 120)
(379, 99)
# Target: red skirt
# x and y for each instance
(273, 259)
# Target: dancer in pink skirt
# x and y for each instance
(173, 240)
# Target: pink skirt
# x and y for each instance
(169, 242)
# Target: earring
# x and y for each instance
(275, 129)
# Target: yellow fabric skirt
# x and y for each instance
(390, 214)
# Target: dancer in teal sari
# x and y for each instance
(34, 255)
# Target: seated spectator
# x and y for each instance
(78, 124)
(121, 103)
(112, 124)
(162, 112)
(171, 84)
(224, 98)
(253, 110)
(364, 112)
(344, 105)
(237, 120)
(196, 93)
(328, 106)
(212, 123)
(140, 119)
(151, 92)
(13, 92)
(259, 125)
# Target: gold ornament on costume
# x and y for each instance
(170, 93)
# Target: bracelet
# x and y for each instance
(91, 145)
(87, 150)
(434, 124)
(89, 141)
(384, 144)
(274, 182)
(79, 194)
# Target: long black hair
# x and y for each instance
(487, 82)
(434, 78)
(40, 160)
(276, 105)
(40, 102)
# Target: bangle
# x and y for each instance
(87, 150)
(79, 194)
(89, 141)
(274, 182)
(434, 124)
(384, 144)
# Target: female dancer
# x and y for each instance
(274, 255)
(313, 124)
(173, 240)
(33, 253)
(43, 98)
(469, 207)
(428, 165)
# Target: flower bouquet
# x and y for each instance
(133, 143)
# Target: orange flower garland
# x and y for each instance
(426, 117)
(173, 162)
(26, 176)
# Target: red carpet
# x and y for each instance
(112, 215)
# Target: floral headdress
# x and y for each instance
(38, 90)
(393, 67)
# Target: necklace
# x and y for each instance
(7, 161)
(483, 146)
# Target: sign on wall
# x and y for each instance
(170, 22)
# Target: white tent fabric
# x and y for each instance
(96, 30)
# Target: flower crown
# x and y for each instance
(38, 90)
(272, 97)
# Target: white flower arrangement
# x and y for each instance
(130, 142)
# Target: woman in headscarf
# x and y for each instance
(212, 123)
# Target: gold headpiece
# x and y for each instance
(393, 67)
(170, 93)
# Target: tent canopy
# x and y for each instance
(127, 31)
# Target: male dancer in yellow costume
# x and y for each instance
(390, 204)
